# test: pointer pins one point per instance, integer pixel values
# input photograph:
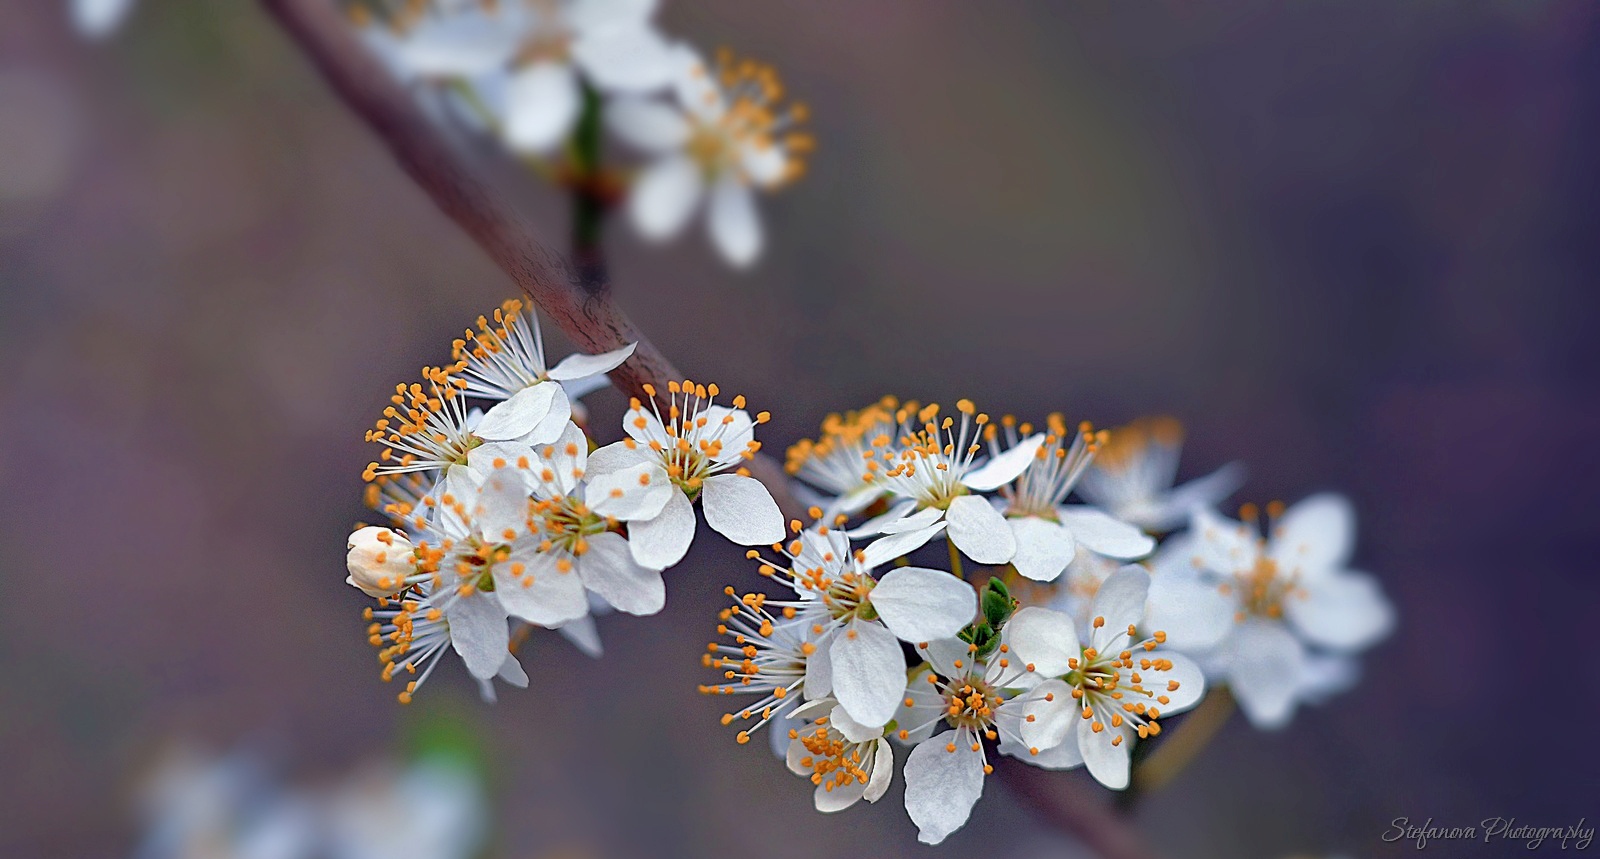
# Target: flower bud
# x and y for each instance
(380, 560)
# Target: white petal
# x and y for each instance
(979, 530)
(735, 430)
(1044, 548)
(876, 524)
(829, 798)
(1106, 762)
(615, 457)
(941, 786)
(1043, 638)
(1315, 536)
(517, 416)
(1053, 711)
(1184, 672)
(587, 16)
(578, 366)
(511, 672)
(735, 226)
(913, 522)
(542, 594)
(638, 492)
(584, 635)
(1222, 545)
(1102, 533)
(882, 771)
(609, 570)
(819, 669)
(554, 424)
(869, 671)
(918, 604)
(625, 59)
(796, 753)
(741, 509)
(1326, 675)
(1062, 756)
(853, 731)
(1265, 663)
(96, 19)
(943, 653)
(559, 466)
(664, 195)
(660, 542)
(1207, 491)
(1194, 614)
(764, 163)
(501, 509)
(1343, 611)
(886, 549)
(461, 45)
(542, 103)
(1004, 468)
(1121, 600)
(478, 632)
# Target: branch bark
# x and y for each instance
(581, 304)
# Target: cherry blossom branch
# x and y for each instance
(581, 304)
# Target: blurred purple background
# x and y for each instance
(1350, 243)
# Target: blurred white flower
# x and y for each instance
(722, 138)
(433, 809)
(200, 807)
(931, 469)
(847, 761)
(857, 621)
(1277, 618)
(696, 441)
(527, 60)
(1047, 531)
(981, 696)
(1133, 474)
(97, 19)
(503, 361)
(1120, 684)
(835, 464)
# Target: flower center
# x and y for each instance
(1262, 589)
(833, 760)
(1116, 689)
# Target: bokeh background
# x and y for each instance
(1351, 243)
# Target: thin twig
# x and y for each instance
(584, 310)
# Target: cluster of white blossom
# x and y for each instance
(199, 805)
(543, 75)
(513, 516)
(859, 650)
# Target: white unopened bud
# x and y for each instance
(380, 560)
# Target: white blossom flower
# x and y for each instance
(723, 138)
(1133, 474)
(981, 696)
(412, 633)
(526, 60)
(847, 761)
(1046, 530)
(1120, 684)
(97, 19)
(1273, 617)
(503, 360)
(424, 430)
(932, 469)
(857, 620)
(834, 463)
(696, 441)
(433, 809)
(381, 561)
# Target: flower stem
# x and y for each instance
(1197, 730)
(588, 203)
(955, 559)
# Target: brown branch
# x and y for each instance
(1065, 803)
(585, 311)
